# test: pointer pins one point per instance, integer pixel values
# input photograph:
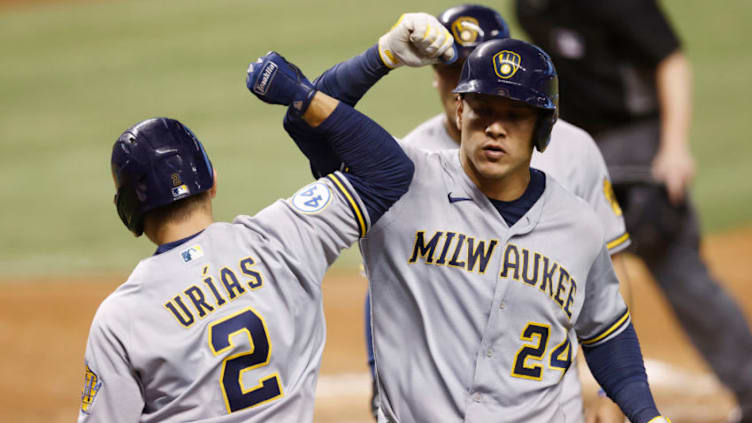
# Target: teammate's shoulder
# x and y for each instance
(570, 134)
(428, 128)
(559, 193)
(572, 151)
(566, 203)
(431, 135)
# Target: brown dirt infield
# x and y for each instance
(44, 325)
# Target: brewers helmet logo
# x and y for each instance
(506, 63)
(465, 30)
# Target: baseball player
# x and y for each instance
(572, 158)
(479, 274)
(224, 323)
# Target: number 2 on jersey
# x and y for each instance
(537, 334)
(221, 334)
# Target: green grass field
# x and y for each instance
(73, 76)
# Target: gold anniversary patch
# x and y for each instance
(92, 385)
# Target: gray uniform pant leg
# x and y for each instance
(667, 238)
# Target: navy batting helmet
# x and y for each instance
(154, 163)
(519, 71)
(472, 24)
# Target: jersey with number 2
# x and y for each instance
(229, 326)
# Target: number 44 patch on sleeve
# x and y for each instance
(92, 385)
(312, 199)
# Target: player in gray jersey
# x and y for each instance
(481, 272)
(572, 158)
(224, 323)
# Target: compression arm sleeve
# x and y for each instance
(350, 80)
(618, 367)
(378, 169)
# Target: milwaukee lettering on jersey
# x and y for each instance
(453, 249)
(446, 248)
(535, 269)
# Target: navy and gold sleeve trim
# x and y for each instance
(621, 322)
(357, 211)
(618, 242)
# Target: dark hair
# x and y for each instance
(178, 210)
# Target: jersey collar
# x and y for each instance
(170, 245)
(458, 183)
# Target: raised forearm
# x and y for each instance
(674, 85)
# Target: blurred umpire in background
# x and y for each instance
(624, 78)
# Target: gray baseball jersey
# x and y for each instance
(573, 159)
(229, 326)
(471, 318)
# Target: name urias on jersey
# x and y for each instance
(214, 291)
(445, 248)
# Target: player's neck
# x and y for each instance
(509, 188)
(173, 231)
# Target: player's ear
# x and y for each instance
(435, 82)
(213, 189)
(460, 105)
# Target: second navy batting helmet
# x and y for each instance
(519, 71)
(154, 163)
(472, 24)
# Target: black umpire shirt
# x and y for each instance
(606, 53)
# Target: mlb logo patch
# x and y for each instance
(92, 385)
(180, 191)
(506, 63)
(192, 253)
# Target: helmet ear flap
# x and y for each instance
(543, 128)
(128, 205)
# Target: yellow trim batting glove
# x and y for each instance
(417, 39)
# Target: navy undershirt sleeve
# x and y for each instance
(322, 158)
(618, 367)
(378, 169)
(348, 82)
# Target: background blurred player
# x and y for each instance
(225, 321)
(462, 330)
(628, 83)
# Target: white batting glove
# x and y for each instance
(660, 419)
(417, 39)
